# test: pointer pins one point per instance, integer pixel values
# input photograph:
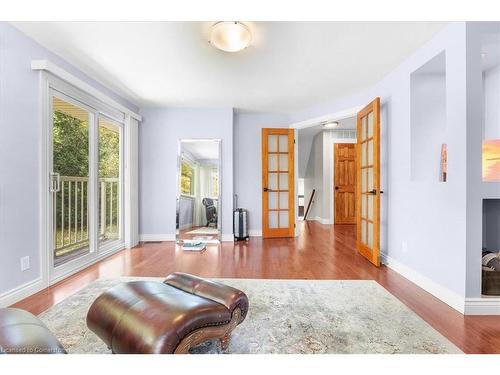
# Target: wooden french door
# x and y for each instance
(368, 182)
(345, 183)
(278, 184)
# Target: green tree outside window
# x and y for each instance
(187, 179)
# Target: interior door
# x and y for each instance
(278, 184)
(345, 183)
(368, 182)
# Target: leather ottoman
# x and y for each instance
(23, 333)
(170, 317)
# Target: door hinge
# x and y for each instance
(294, 141)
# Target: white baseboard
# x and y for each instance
(21, 292)
(171, 237)
(482, 306)
(255, 233)
(156, 237)
(449, 297)
(322, 220)
(227, 237)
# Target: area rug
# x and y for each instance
(204, 230)
(285, 316)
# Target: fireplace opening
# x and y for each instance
(491, 248)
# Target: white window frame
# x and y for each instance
(50, 83)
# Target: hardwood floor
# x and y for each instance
(320, 252)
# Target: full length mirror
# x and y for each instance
(198, 218)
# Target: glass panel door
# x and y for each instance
(109, 194)
(70, 180)
(86, 195)
(278, 183)
(368, 185)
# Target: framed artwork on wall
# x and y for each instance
(491, 160)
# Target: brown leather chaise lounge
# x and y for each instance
(170, 317)
(23, 333)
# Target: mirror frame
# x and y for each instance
(178, 184)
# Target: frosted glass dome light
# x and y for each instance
(230, 36)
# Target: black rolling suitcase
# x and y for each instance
(240, 223)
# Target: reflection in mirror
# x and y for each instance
(198, 200)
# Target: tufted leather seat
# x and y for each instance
(23, 333)
(168, 317)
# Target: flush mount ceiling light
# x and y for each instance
(331, 124)
(230, 36)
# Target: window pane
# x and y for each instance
(363, 231)
(272, 162)
(273, 200)
(370, 152)
(272, 181)
(70, 133)
(273, 219)
(370, 206)
(370, 125)
(370, 178)
(283, 143)
(363, 154)
(283, 219)
(272, 143)
(283, 200)
(363, 180)
(109, 181)
(283, 181)
(283, 163)
(369, 240)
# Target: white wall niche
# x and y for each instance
(428, 118)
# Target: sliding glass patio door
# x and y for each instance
(85, 197)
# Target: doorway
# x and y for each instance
(278, 183)
(344, 183)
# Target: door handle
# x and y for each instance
(336, 188)
(57, 177)
(374, 192)
(266, 190)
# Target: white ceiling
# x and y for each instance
(202, 149)
(289, 66)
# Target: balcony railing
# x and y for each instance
(71, 214)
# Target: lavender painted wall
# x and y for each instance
(20, 142)
(159, 134)
(248, 161)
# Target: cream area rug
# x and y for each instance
(285, 316)
(204, 230)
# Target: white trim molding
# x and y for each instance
(255, 232)
(156, 237)
(46, 65)
(449, 297)
(171, 237)
(482, 306)
(21, 292)
(227, 237)
(321, 220)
